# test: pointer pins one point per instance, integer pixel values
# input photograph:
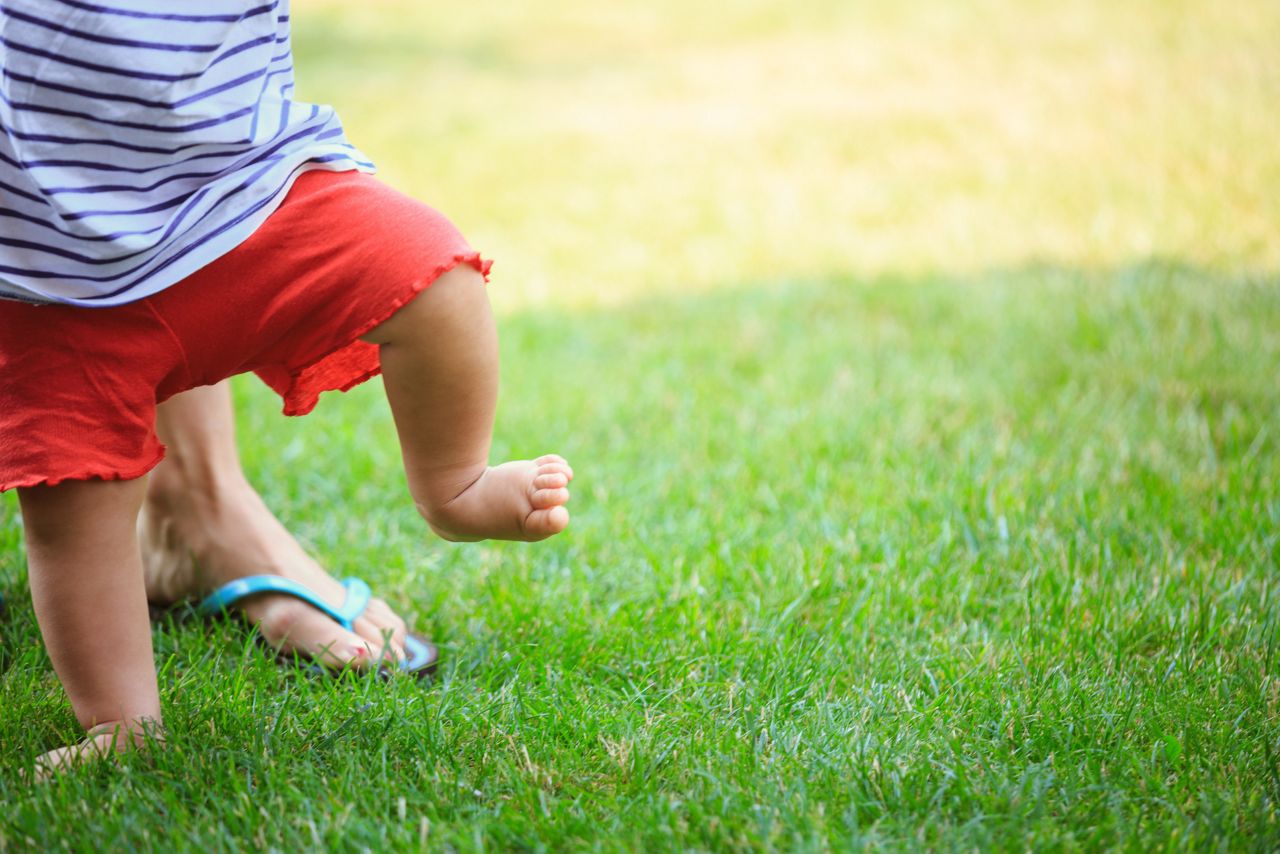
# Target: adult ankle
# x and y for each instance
(194, 485)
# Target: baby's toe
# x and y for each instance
(551, 480)
(555, 468)
(554, 463)
(543, 499)
(541, 524)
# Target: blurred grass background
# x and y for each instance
(601, 151)
(918, 363)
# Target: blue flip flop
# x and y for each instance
(421, 655)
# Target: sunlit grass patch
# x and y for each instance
(604, 152)
(918, 363)
(966, 562)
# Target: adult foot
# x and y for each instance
(519, 500)
(195, 540)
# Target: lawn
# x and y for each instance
(918, 363)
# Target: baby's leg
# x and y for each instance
(87, 588)
(440, 366)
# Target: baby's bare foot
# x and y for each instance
(196, 538)
(520, 500)
(102, 741)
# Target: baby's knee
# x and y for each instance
(456, 296)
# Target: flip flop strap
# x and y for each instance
(357, 598)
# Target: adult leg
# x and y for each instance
(86, 584)
(440, 366)
(203, 525)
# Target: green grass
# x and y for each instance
(926, 434)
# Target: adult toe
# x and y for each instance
(297, 627)
(379, 625)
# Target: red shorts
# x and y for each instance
(343, 252)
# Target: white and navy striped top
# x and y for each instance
(142, 139)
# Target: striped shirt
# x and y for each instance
(142, 139)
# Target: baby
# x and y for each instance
(171, 217)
